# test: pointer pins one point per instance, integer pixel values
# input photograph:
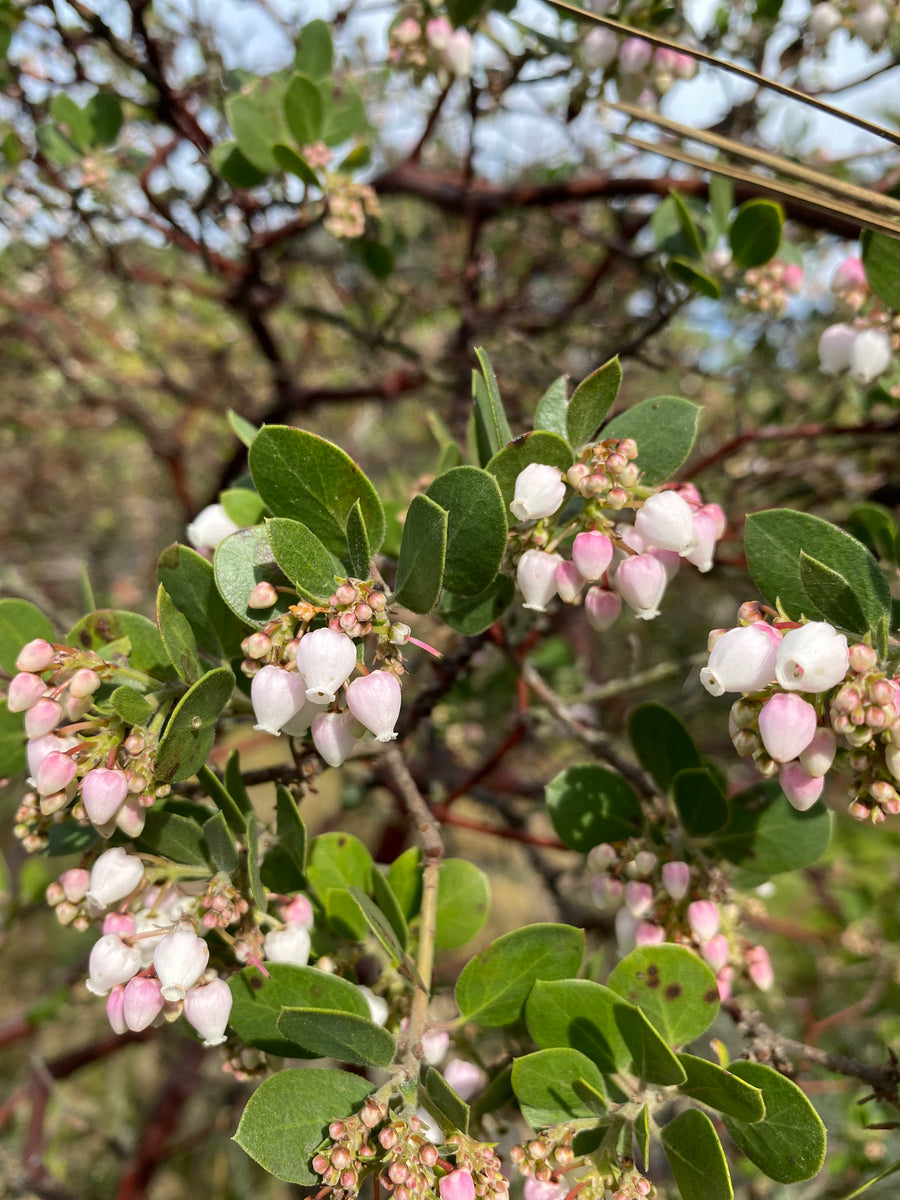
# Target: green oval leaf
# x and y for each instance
(493, 986)
(358, 543)
(20, 622)
(722, 1090)
(589, 805)
(338, 861)
(117, 634)
(257, 1003)
(755, 233)
(551, 410)
(789, 1143)
(538, 447)
(672, 986)
(687, 272)
(463, 900)
(220, 847)
(404, 876)
(191, 730)
(492, 430)
(696, 1157)
(228, 161)
(766, 835)
(12, 741)
(423, 552)
(591, 401)
(256, 117)
(476, 528)
(243, 560)
(290, 828)
(580, 1014)
(303, 110)
(308, 565)
(188, 578)
(700, 802)
(664, 429)
(441, 1100)
(651, 1059)
(543, 1084)
(881, 259)
(344, 1036)
(177, 637)
(174, 836)
(105, 114)
(471, 615)
(663, 745)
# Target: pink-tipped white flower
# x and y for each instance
(544, 1189)
(813, 658)
(326, 658)
(592, 553)
(25, 690)
(55, 773)
(624, 925)
(870, 355)
(142, 1003)
(298, 912)
(741, 660)
(759, 967)
(801, 788)
(647, 933)
(638, 897)
(787, 725)
(332, 738)
(115, 1011)
(703, 918)
(434, 1045)
(569, 582)
(124, 924)
(374, 700)
(705, 534)
(37, 749)
(724, 980)
(115, 874)
(277, 696)
(36, 655)
(208, 1008)
(539, 492)
(111, 963)
(75, 883)
(641, 582)
(438, 33)
(818, 756)
(458, 1185)
(289, 945)
(602, 608)
(103, 792)
(42, 717)
(210, 526)
(676, 878)
(667, 522)
(130, 818)
(835, 346)
(466, 1078)
(179, 960)
(715, 951)
(634, 55)
(299, 724)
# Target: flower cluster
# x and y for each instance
(868, 20)
(546, 1160)
(809, 703)
(82, 756)
(864, 347)
(615, 560)
(349, 204)
(768, 288)
(634, 60)
(420, 43)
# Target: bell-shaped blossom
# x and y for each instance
(759, 967)
(706, 535)
(466, 1078)
(592, 553)
(42, 717)
(818, 756)
(870, 355)
(298, 911)
(703, 918)
(648, 933)
(124, 924)
(458, 1185)
(326, 658)
(641, 582)
(824, 19)
(801, 788)
(288, 945)
(179, 960)
(835, 346)
(37, 749)
(36, 655)
(602, 608)
(299, 724)
(75, 883)
(676, 878)
(210, 526)
(115, 874)
(130, 818)
(143, 1002)
(850, 275)
(599, 48)
(634, 56)
(111, 963)
(715, 951)
(374, 700)
(569, 582)
(741, 660)
(667, 522)
(55, 773)
(25, 689)
(544, 1189)
(103, 792)
(536, 577)
(787, 724)
(208, 1008)
(277, 695)
(115, 1010)
(378, 1006)
(669, 559)
(331, 737)
(540, 491)
(638, 897)
(812, 658)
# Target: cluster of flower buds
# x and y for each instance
(545, 1161)
(768, 288)
(420, 44)
(810, 702)
(350, 1153)
(479, 1161)
(868, 20)
(77, 755)
(349, 205)
(614, 561)
(635, 60)
(669, 901)
(543, 1157)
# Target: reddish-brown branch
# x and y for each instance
(489, 764)
(446, 817)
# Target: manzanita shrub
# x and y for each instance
(311, 965)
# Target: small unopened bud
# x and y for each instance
(703, 918)
(84, 683)
(263, 595)
(36, 656)
(257, 645)
(42, 717)
(25, 690)
(676, 877)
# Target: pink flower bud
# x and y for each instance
(634, 55)
(641, 582)
(332, 738)
(438, 32)
(792, 278)
(466, 1079)
(705, 534)
(724, 979)
(25, 690)
(288, 945)
(111, 963)
(759, 967)
(685, 66)
(812, 658)
(84, 683)
(741, 660)
(115, 1011)
(646, 933)
(569, 582)
(36, 656)
(536, 577)
(325, 659)
(143, 1002)
(544, 1189)
(114, 876)
(818, 756)
(849, 276)
(715, 951)
(179, 960)
(211, 526)
(870, 355)
(103, 792)
(75, 883)
(374, 700)
(599, 48)
(835, 345)
(55, 773)
(459, 53)
(132, 816)
(458, 1185)
(676, 878)
(208, 1008)
(123, 924)
(703, 918)
(277, 696)
(787, 725)
(801, 788)
(592, 553)
(540, 491)
(42, 718)
(262, 596)
(638, 897)
(666, 522)
(602, 608)
(298, 912)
